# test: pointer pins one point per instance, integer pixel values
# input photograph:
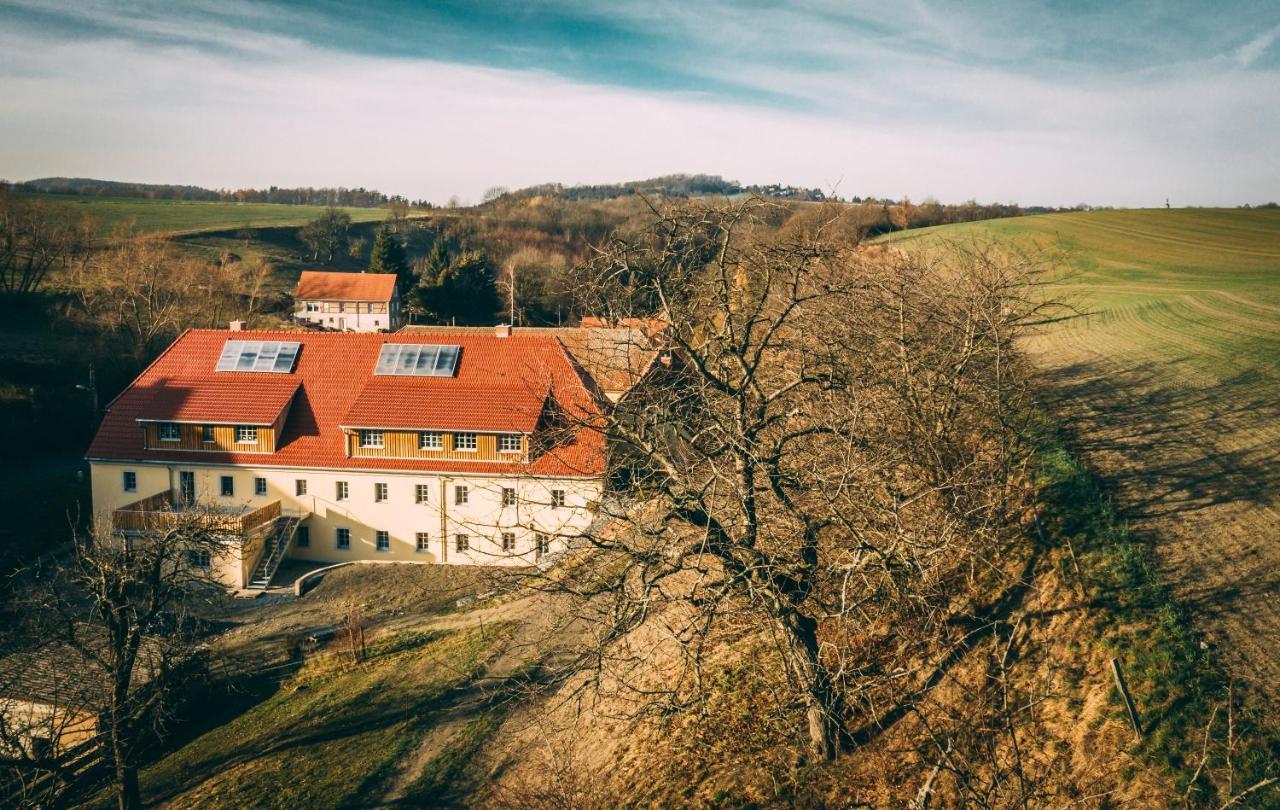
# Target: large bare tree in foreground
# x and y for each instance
(833, 448)
(112, 623)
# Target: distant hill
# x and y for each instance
(92, 187)
(671, 185)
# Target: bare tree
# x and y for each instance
(327, 235)
(36, 238)
(141, 287)
(835, 448)
(117, 614)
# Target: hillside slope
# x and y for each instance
(178, 217)
(1170, 380)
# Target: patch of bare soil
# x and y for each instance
(1191, 442)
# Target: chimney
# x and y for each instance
(502, 330)
(238, 326)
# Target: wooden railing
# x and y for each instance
(158, 513)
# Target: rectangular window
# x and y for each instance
(542, 544)
(344, 539)
(371, 438)
(424, 542)
(382, 540)
(198, 559)
(304, 537)
(228, 486)
(379, 492)
(341, 491)
(420, 492)
(206, 434)
(509, 443)
(557, 498)
(461, 542)
(430, 440)
(508, 542)
(130, 481)
(313, 306)
(460, 495)
(465, 442)
(169, 432)
(246, 434)
(300, 487)
(508, 496)
(259, 486)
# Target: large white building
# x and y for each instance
(458, 447)
(347, 302)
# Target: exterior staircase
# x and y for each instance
(282, 535)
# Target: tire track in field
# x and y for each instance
(1137, 234)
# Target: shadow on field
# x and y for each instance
(1170, 448)
(1196, 469)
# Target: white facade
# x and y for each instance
(419, 525)
(350, 316)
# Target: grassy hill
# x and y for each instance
(1170, 380)
(186, 217)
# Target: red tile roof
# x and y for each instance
(327, 286)
(430, 403)
(616, 358)
(244, 398)
(496, 381)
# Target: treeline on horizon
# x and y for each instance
(340, 196)
(680, 186)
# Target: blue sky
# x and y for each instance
(1051, 103)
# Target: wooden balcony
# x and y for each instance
(160, 512)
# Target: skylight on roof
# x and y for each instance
(258, 355)
(417, 360)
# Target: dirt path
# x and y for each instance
(540, 628)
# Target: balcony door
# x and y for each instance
(186, 489)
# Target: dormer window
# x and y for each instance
(169, 432)
(509, 443)
(465, 442)
(246, 434)
(371, 438)
(206, 434)
(430, 440)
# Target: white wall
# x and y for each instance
(348, 321)
(483, 518)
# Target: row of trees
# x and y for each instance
(306, 195)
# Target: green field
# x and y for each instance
(181, 217)
(329, 736)
(1170, 381)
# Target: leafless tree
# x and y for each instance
(115, 618)
(142, 288)
(36, 238)
(833, 457)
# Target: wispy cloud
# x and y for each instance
(919, 98)
(1251, 51)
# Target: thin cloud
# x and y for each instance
(1253, 50)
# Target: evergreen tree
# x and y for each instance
(388, 257)
(464, 291)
